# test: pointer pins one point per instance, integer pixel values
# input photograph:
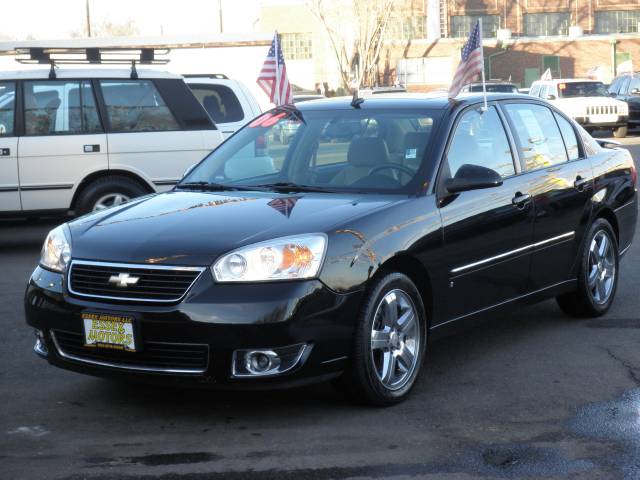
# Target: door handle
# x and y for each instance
(521, 200)
(91, 148)
(5, 152)
(581, 184)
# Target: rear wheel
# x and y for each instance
(598, 276)
(620, 132)
(107, 192)
(390, 341)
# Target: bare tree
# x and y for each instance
(107, 28)
(356, 31)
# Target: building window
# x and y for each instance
(552, 62)
(617, 21)
(296, 46)
(461, 25)
(407, 28)
(546, 24)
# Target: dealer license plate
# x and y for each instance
(105, 330)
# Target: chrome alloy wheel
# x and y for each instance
(110, 200)
(395, 339)
(601, 270)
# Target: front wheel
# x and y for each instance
(107, 192)
(598, 275)
(390, 342)
(620, 132)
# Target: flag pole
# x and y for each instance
(277, 55)
(484, 86)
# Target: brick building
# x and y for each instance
(574, 38)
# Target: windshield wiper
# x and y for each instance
(211, 187)
(293, 187)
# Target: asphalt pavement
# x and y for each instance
(533, 394)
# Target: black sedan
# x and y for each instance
(339, 257)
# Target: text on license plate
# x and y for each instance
(109, 331)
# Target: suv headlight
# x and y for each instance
(285, 258)
(56, 251)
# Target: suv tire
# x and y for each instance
(107, 192)
(598, 274)
(620, 132)
(390, 341)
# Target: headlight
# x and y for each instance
(56, 251)
(284, 258)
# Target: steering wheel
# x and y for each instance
(401, 168)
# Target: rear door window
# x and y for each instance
(60, 107)
(541, 144)
(136, 106)
(7, 108)
(220, 102)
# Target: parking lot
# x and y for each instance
(533, 394)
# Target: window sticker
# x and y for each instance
(411, 153)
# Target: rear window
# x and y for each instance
(219, 101)
(7, 107)
(581, 89)
(136, 106)
(495, 88)
(380, 150)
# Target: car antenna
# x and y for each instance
(357, 100)
(134, 72)
(52, 71)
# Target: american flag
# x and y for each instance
(471, 64)
(273, 76)
(283, 205)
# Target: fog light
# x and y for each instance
(268, 361)
(41, 346)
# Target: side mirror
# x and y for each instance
(613, 94)
(188, 170)
(635, 91)
(551, 97)
(473, 177)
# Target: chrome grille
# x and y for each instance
(155, 283)
(602, 110)
(153, 356)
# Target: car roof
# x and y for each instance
(61, 73)
(568, 80)
(437, 100)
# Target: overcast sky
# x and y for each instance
(53, 19)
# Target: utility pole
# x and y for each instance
(219, 13)
(88, 19)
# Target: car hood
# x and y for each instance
(194, 228)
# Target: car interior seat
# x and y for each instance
(364, 154)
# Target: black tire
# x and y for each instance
(620, 132)
(360, 380)
(581, 303)
(112, 185)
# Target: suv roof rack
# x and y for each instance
(92, 55)
(215, 76)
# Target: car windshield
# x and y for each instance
(321, 150)
(495, 87)
(582, 89)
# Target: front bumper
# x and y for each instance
(215, 318)
(621, 121)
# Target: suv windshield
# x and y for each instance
(324, 150)
(581, 89)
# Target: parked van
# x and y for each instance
(89, 139)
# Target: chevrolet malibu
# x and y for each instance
(383, 224)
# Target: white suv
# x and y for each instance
(587, 101)
(228, 102)
(88, 139)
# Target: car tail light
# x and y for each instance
(634, 172)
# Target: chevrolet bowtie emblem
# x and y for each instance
(123, 280)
